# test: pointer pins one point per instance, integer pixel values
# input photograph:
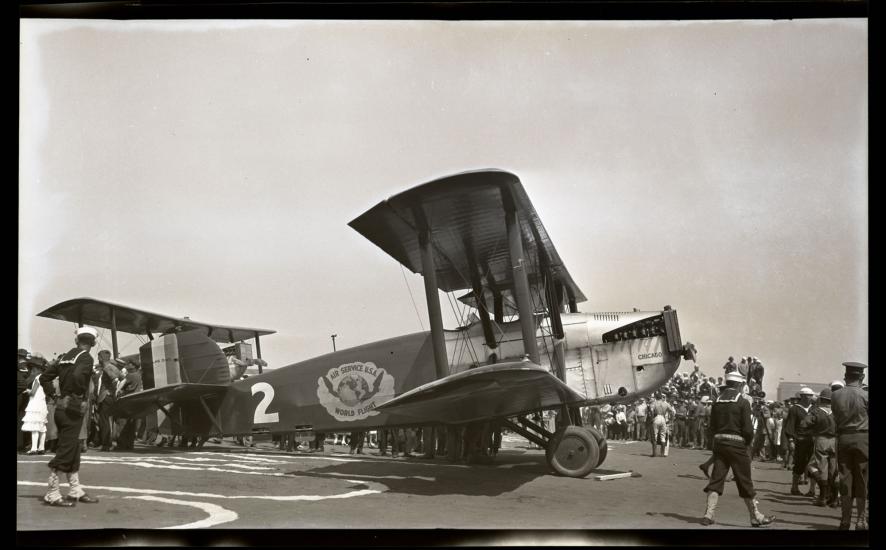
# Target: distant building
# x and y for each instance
(790, 389)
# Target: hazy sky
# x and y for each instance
(210, 169)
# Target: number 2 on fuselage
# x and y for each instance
(262, 417)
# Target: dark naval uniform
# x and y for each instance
(733, 431)
(795, 430)
(73, 371)
(850, 408)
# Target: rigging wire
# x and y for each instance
(411, 297)
(462, 333)
(549, 333)
(464, 312)
(136, 337)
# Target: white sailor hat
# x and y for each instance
(806, 391)
(734, 377)
(838, 383)
(86, 330)
(705, 398)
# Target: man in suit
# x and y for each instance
(127, 427)
(104, 381)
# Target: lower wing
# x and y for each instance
(492, 391)
(144, 402)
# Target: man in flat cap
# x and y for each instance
(850, 408)
(799, 436)
(823, 466)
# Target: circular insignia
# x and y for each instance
(352, 391)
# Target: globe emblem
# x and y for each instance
(352, 389)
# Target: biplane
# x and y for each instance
(526, 349)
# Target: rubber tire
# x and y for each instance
(604, 448)
(601, 443)
(573, 438)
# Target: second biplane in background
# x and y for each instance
(528, 348)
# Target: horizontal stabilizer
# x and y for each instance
(144, 402)
(491, 391)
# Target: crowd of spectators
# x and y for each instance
(691, 394)
(111, 379)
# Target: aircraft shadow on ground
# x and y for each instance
(409, 477)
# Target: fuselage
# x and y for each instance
(607, 357)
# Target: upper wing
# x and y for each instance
(492, 391)
(136, 321)
(143, 402)
(466, 215)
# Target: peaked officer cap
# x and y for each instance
(853, 367)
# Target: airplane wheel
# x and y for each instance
(574, 452)
(601, 443)
(604, 448)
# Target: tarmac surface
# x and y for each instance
(224, 486)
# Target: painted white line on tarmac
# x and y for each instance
(162, 459)
(168, 458)
(291, 460)
(337, 474)
(142, 464)
(217, 514)
(172, 462)
(380, 488)
(288, 457)
(239, 456)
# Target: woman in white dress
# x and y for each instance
(36, 413)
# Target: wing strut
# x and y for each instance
(435, 315)
(521, 281)
(556, 326)
(258, 350)
(114, 330)
(212, 417)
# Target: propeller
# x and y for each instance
(689, 351)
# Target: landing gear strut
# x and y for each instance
(571, 451)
